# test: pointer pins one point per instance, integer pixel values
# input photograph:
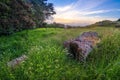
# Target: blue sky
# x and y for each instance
(84, 12)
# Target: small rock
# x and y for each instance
(17, 61)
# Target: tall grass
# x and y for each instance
(47, 59)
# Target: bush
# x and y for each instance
(18, 15)
(15, 16)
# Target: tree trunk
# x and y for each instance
(80, 47)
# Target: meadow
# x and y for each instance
(48, 60)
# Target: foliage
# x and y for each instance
(15, 16)
(55, 25)
(18, 15)
(118, 20)
(42, 11)
(104, 23)
(47, 58)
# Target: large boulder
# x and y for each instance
(81, 46)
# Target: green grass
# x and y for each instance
(47, 59)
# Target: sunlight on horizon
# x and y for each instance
(81, 12)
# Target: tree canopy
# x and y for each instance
(17, 15)
(118, 19)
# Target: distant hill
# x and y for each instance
(108, 23)
(104, 23)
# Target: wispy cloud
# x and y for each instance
(98, 11)
(86, 5)
(79, 13)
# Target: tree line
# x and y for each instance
(18, 15)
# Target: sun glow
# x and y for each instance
(78, 14)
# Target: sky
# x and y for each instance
(85, 12)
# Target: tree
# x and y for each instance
(4, 18)
(42, 10)
(15, 16)
(118, 19)
(18, 15)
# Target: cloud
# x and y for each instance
(82, 20)
(81, 13)
(62, 9)
(87, 5)
(98, 12)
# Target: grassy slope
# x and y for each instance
(48, 60)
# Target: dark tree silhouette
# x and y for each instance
(118, 19)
